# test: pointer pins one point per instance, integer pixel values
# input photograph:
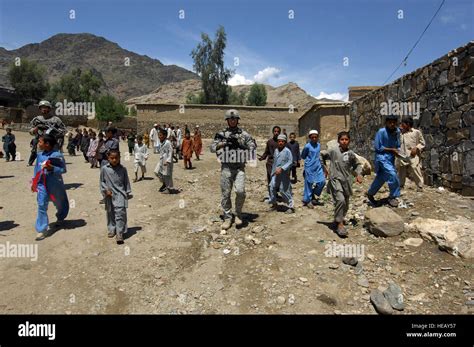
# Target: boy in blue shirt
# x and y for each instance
(314, 171)
(387, 146)
(280, 181)
(48, 183)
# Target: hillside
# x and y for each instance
(63, 52)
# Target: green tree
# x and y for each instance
(108, 108)
(208, 59)
(132, 111)
(257, 95)
(29, 81)
(195, 98)
(77, 86)
(236, 98)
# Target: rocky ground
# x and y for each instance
(177, 260)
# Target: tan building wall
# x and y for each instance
(258, 121)
(328, 120)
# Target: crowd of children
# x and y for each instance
(397, 154)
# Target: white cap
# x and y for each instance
(281, 137)
(197, 126)
(313, 132)
(155, 125)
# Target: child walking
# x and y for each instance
(294, 147)
(387, 146)
(92, 150)
(116, 190)
(412, 144)
(164, 168)
(314, 172)
(343, 162)
(141, 156)
(197, 142)
(71, 144)
(48, 183)
(9, 145)
(85, 141)
(282, 162)
(187, 150)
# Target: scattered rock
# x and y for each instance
(303, 279)
(394, 296)
(291, 299)
(418, 297)
(254, 240)
(380, 303)
(455, 237)
(363, 281)
(328, 300)
(414, 213)
(333, 266)
(226, 251)
(350, 261)
(214, 220)
(358, 269)
(258, 229)
(383, 222)
(413, 241)
(281, 300)
(198, 229)
(446, 268)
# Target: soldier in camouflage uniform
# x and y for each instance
(233, 147)
(46, 123)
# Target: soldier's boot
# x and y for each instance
(227, 224)
(238, 220)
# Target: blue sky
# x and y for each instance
(271, 48)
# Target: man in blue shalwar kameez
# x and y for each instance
(387, 145)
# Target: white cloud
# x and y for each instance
(260, 77)
(333, 96)
(239, 79)
(264, 75)
(447, 19)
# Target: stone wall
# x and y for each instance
(359, 91)
(258, 121)
(444, 91)
(328, 120)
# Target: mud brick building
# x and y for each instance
(258, 121)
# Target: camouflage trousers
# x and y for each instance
(232, 177)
